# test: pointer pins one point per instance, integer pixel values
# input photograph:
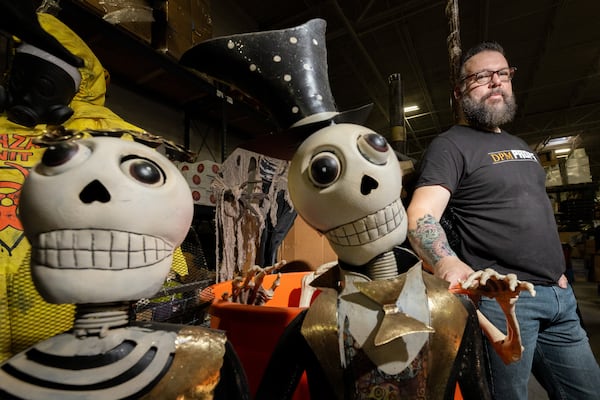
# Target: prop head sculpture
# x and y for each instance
(345, 181)
(103, 216)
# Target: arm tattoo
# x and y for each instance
(429, 240)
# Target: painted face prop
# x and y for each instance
(103, 216)
(341, 183)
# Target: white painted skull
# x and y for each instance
(103, 216)
(346, 181)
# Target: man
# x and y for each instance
(492, 189)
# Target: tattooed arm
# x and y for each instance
(427, 236)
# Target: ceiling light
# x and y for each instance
(561, 142)
(562, 150)
(562, 156)
(411, 108)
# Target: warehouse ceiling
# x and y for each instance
(555, 44)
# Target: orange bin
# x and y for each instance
(254, 330)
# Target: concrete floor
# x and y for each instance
(589, 305)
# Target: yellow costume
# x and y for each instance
(25, 318)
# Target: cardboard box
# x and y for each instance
(304, 243)
(596, 270)
(553, 176)
(571, 238)
(139, 24)
(590, 246)
(186, 23)
(581, 273)
(579, 153)
(578, 169)
(547, 156)
(169, 26)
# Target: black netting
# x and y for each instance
(182, 300)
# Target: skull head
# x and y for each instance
(345, 181)
(103, 216)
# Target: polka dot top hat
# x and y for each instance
(285, 70)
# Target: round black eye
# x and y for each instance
(325, 168)
(374, 148)
(59, 154)
(144, 171)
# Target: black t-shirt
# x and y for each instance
(500, 207)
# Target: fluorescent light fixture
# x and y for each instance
(411, 109)
(562, 156)
(562, 150)
(561, 142)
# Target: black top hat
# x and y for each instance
(285, 70)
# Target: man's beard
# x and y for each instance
(488, 117)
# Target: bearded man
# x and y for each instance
(491, 186)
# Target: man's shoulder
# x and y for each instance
(457, 134)
(458, 131)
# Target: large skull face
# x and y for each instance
(103, 216)
(345, 181)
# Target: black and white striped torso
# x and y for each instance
(125, 364)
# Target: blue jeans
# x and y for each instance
(557, 350)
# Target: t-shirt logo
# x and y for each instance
(512, 155)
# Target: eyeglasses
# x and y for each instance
(483, 77)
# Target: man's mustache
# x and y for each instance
(494, 92)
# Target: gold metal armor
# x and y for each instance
(447, 323)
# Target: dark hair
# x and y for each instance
(483, 46)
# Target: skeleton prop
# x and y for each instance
(381, 327)
(104, 216)
(284, 70)
(381, 324)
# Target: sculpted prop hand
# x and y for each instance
(249, 290)
(505, 289)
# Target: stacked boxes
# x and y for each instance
(180, 24)
(552, 167)
(577, 167)
(200, 176)
(553, 176)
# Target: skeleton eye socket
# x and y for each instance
(143, 171)
(325, 168)
(61, 157)
(374, 148)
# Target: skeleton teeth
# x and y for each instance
(369, 228)
(100, 249)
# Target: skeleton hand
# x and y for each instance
(249, 289)
(505, 289)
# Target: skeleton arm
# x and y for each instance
(505, 289)
(248, 289)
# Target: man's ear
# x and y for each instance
(457, 92)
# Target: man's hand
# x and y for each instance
(563, 282)
(453, 270)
